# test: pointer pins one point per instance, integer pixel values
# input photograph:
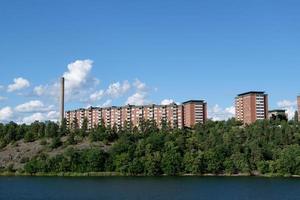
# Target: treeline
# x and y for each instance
(225, 147)
(12, 132)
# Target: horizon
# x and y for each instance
(115, 53)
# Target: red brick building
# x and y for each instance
(251, 106)
(185, 115)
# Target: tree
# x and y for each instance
(153, 164)
(266, 146)
(171, 159)
(63, 128)
(51, 129)
(29, 136)
(96, 160)
(193, 163)
(84, 128)
(71, 139)
(213, 161)
(288, 161)
(122, 163)
(56, 142)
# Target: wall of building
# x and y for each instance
(251, 107)
(185, 115)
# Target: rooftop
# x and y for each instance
(251, 92)
(193, 101)
(135, 106)
(277, 110)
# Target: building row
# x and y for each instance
(186, 114)
(249, 107)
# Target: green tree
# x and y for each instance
(288, 161)
(29, 136)
(122, 162)
(56, 142)
(193, 162)
(171, 159)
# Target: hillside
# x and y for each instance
(263, 148)
(18, 153)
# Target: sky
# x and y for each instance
(117, 52)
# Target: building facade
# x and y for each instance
(251, 106)
(274, 114)
(194, 112)
(188, 114)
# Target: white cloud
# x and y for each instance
(230, 110)
(38, 116)
(2, 98)
(139, 85)
(33, 106)
(96, 96)
(6, 114)
(289, 106)
(286, 103)
(78, 83)
(106, 103)
(96, 81)
(217, 113)
(77, 74)
(140, 96)
(117, 89)
(39, 90)
(167, 101)
(34, 117)
(19, 83)
(52, 115)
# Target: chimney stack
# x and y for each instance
(62, 100)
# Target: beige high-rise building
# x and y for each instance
(185, 115)
(251, 106)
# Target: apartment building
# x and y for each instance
(195, 111)
(251, 106)
(185, 115)
(277, 113)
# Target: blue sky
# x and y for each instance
(146, 52)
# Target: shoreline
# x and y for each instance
(117, 174)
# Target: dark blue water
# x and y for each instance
(149, 188)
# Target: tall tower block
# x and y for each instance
(251, 106)
(62, 100)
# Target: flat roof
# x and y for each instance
(251, 92)
(135, 106)
(193, 101)
(277, 110)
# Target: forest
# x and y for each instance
(267, 147)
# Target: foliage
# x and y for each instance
(264, 147)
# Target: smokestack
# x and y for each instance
(62, 100)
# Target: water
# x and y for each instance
(148, 188)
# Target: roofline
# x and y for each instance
(277, 110)
(251, 92)
(135, 106)
(194, 101)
